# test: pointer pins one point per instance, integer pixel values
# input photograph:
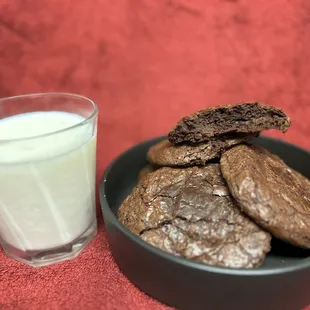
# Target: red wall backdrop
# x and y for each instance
(148, 62)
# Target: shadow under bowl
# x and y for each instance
(281, 283)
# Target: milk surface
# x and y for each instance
(47, 183)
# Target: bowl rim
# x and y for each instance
(107, 212)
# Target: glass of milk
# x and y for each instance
(47, 176)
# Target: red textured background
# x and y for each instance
(146, 63)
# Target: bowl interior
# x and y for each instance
(121, 177)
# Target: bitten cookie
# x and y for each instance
(230, 119)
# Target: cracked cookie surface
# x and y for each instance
(269, 192)
(190, 213)
(166, 154)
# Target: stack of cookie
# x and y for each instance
(210, 196)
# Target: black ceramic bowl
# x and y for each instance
(282, 283)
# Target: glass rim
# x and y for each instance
(76, 96)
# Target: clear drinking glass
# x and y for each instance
(47, 176)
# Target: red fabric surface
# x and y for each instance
(146, 64)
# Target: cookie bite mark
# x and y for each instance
(230, 119)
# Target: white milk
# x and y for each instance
(46, 183)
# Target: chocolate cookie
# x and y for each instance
(190, 213)
(146, 171)
(166, 154)
(268, 191)
(239, 118)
